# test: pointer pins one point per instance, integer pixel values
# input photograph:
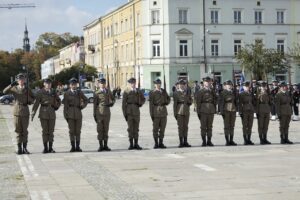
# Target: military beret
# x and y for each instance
(102, 80)
(206, 79)
(132, 80)
(73, 80)
(246, 83)
(47, 80)
(182, 82)
(274, 81)
(20, 76)
(228, 82)
(282, 84)
(195, 81)
(157, 81)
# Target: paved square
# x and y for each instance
(220, 172)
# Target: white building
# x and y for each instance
(47, 68)
(174, 35)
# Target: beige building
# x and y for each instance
(113, 43)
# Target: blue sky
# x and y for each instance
(49, 16)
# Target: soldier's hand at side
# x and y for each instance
(14, 83)
(32, 116)
(95, 118)
(152, 118)
(241, 115)
(223, 116)
(175, 117)
(126, 118)
(279, 117)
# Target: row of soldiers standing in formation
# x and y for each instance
(205, 101)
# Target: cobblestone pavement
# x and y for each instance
(220, 172)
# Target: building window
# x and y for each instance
(258, 17)
(214, 16)
(122, 26)
(258, 41)
(155, 17)
(130, 22)
(116, 28)
(183, 16)
(280, 17)
(126, 25)
(280, 46)
(237, 15)
(156, 48)
(237, 46)
(215, 47)
(183, 48)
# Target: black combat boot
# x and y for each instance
(209, 143)
(72, 146)
(131, 144)
(78, 149)
(231, 142)
(249, 140)
(287, 141)
(45, 147)
(100, 146)
(51, 150)
(227, 140)
(25, 151)
(106, 148)
(161, 144)
(19, 152)
(245, 140)
(181, 142)
(266, 140)
(262, 141)
(203, 140)
(155, 143)
(185, 142)
(136, 144)
(282, 139)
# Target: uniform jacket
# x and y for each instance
(158, 100)
(246, 102)
(132, 101)
(205, 101)
(283, 103)
(182, 102)
(22, 99)
(103, 100)
(227, 101)
(73, 104)
(263, 103)
(49, 102)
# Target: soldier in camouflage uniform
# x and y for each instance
(263, 108)
(133, 99)
(181, 108)
(103, 100)
(228, 110)
(246, 111)
(158, 100)
(23, 97)
(50, 102)
(284, 102)
(205, 103)
(74, 101)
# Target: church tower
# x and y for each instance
(26, 45)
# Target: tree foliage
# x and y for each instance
(295, 53)
(65, 75)
(260, 61)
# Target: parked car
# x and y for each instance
(87, 92)
(7, 99)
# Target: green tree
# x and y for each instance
(260, 61)
(66, 74)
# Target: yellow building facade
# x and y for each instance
(113, 43)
